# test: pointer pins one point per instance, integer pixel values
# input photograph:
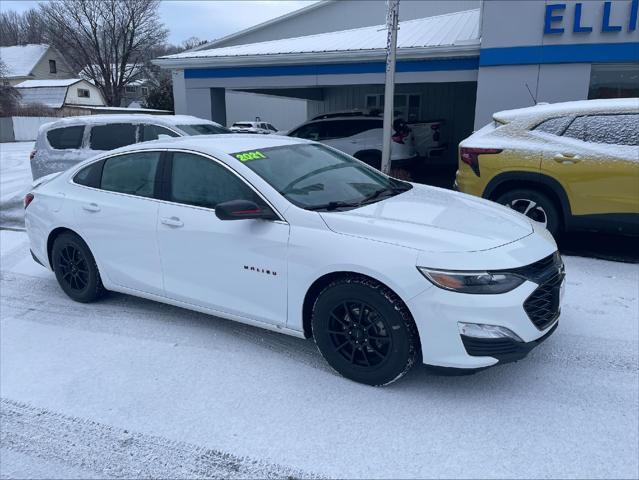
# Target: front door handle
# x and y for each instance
(91, 207)
(172, 222)
(567, 158)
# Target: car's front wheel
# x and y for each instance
(364, 331)
(75, 268)
(535, 205)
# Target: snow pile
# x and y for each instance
(15, 180)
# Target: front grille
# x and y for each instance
(541, 269)
(542, 306)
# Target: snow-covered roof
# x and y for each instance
(21, 59)
(52, 97)
(546, 110)
(49, 83)
(459, 29)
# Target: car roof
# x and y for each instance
(216, 145)
(169, 120)
(352, 118)
(548, 110)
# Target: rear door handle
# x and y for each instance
(567, 158)
(91, 207)
(172, 222)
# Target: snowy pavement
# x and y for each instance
(132, 388)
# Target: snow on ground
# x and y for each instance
(15, 180)
(132, 388)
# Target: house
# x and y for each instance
(67, 96)
(136, 89)
(33, 62)
(459, 66)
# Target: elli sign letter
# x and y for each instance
(555, 13)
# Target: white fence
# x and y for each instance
(26, 128)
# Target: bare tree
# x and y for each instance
(109, 40)
(9, 96)
(20, 29)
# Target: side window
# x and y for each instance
(555, 126)
(271, 127)
(115, 135)
(202, 182)
(577, 129)
(622, 129)
(133, 173)
(66, 138)
(90, 175)
(152, 132)
(310, 131)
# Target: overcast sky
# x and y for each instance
(206, 19)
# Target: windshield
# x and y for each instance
(315, 177)
(203, 129)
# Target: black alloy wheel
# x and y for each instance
(75, 268)
(365, 331)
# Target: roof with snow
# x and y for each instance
(442, 31)
(65, 82)
(22, 59)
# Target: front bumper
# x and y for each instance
(438, 312)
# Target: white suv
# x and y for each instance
(253, 127)
(65, 142)
(359, 136)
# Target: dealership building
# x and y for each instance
(459, 61)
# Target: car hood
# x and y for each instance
(433, 219)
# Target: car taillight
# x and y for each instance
(400, 137)
(32, 154)
(470, 156)
(28, 198)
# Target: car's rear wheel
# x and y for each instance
(364, 331)
(75, 268)
(535, 205)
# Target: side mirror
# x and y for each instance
(243, 210)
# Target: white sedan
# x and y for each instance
(297, 237)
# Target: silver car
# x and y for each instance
(68, 141)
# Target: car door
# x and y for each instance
(117, 215)
(235, 267)
(595, 160)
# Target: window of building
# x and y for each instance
(614, 80)
(66, 138)
(145, 91)
(52, 67)
(115, 135)
(130, 89)
(133, 173)
(199, 181)
(84, 93)
(406, 105)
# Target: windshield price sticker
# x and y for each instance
(248, 156)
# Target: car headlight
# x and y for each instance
(473, 282)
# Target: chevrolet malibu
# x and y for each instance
(297, 237)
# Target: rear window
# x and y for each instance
(610, 129)
(90, 175)
(115, 135)
(203, 129)
(66, 138)
(152, 132)
(555, 126)
(133, 173)
(243, 125)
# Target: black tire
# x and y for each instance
(544, 207)
(382, 340)
(75, 268)
(372, 158)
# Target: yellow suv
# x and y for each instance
(572, 165)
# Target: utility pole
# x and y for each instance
(392, 19)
